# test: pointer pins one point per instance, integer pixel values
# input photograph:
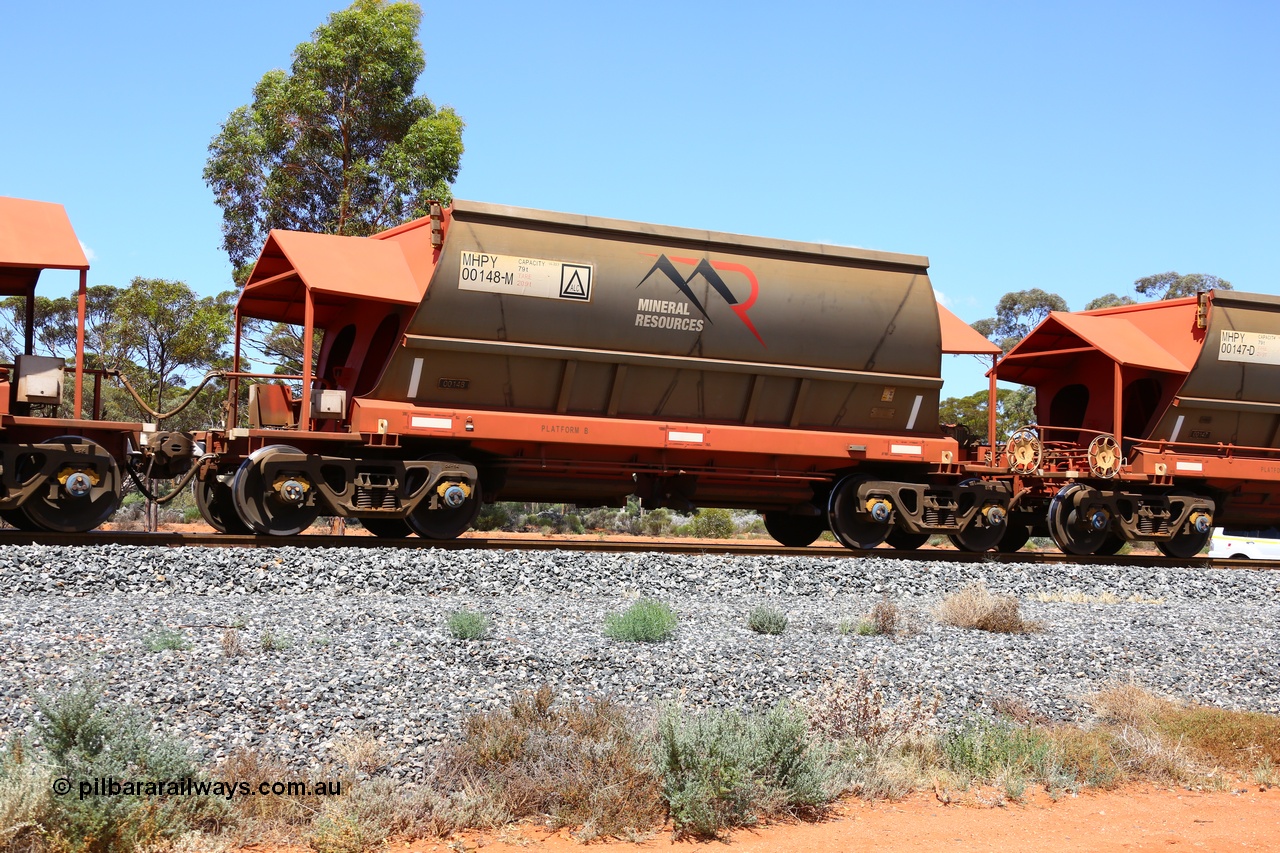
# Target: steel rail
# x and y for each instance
(618, 546)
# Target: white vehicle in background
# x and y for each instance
(1242, 543)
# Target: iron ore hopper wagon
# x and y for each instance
(1155, 421)
(490, 352)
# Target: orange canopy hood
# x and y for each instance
(334, 269)
(34, 236)
(1154, 336)
(959, 338)
(39, 235)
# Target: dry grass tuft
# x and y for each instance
(1075, 596)
(977, 607)
(1017, 711)
(884, 752)
(583, 764)
(844, 711)
(885, 618)
(233, 644)
(269, 817)
(1235, 740)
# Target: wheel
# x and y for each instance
(1184, 546)
(1070, 529)
(904, 541)
(217, 507)
(1188, 541)
(977, 540)
(794, 531)
(387, 528)
(1015, 536)
(446, 522)
(261, 506)
(79, 496)
(857, 530)
(1110, 546)
(980, 535)
(18, 520)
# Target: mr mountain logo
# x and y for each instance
(661, 314)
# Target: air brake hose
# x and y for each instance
(159, 416)
(182, 484)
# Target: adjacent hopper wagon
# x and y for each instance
(491, 352)
(1154, 420)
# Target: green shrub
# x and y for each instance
(467, 625)
(657, 522)
(997, 751)
(728, 769)
(712, 523)
(270, 641)
(646, 621)
(165, 639)
(85, 741)
(766, 620)
(497, 516)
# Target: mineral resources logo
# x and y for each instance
(664, 314)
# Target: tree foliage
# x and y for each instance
(160, 334)
(1109, 300)
(339, 144)
(1017, 313)
(167, 334)
(1171, 285)
(1015, 407)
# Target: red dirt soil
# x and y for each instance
(1139, 819)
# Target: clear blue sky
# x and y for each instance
(1072, 147)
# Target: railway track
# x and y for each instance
(542, 543)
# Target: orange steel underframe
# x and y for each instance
(507, 433)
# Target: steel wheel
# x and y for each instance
(1188, 541)
(18, 520)
(76, 497)
(1184, 546)
(1069, 528)
(794, 531)
(446, 522)
(387, 528)
(977, 540)
(1015, 536)
(1110, 546)
(261, 506)
(217, 507)
(981, 535)
(904, 541)
(854, 529)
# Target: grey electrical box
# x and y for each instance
(39, 378)
(328, 404)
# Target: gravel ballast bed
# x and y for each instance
(366, 650)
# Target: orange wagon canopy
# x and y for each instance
(333, 270)
(35, 236)
(1152, 336)
(959, 338)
